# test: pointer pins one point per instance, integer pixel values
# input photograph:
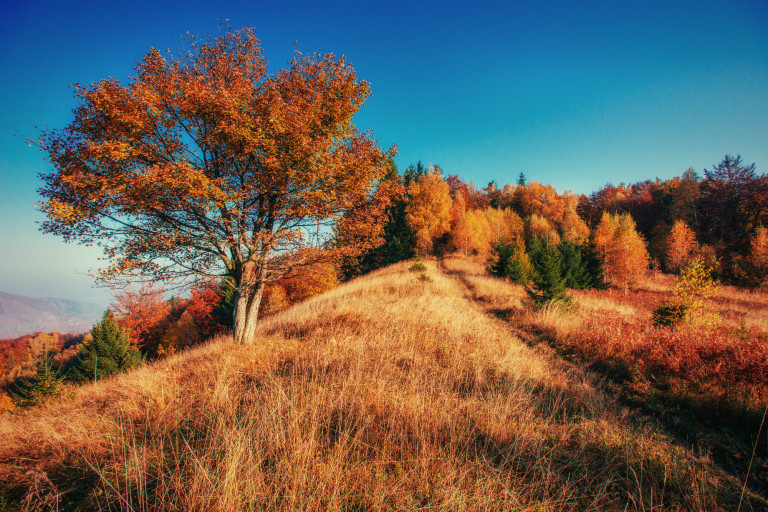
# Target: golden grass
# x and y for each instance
(387, 393)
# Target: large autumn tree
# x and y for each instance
(204, 164)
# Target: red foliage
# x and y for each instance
(145, 313)
(201, 304)
(717, 363)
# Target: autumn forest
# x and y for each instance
(298, 324)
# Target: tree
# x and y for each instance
(681, 244)
(46, 383)
(429, 209)
(686, 197)
(731, 203)
(399, 240)
(108, 351)
(574, 270)
(757, 260)
(144, 313)
(206, 165)
(693, 287)
(519, 267)
(621, 248)
(547, 283)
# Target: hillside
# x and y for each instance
(23, 315)
(397, 391)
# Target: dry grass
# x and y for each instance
(387, 393)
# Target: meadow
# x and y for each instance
(400, 390)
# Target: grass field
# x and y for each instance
(392, 392)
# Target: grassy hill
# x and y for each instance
(397, 391)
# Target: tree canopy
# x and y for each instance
(205, 164)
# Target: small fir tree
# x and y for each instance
(109, 351)
(574, 271)
(502, 254)
(547, 281)
(46, 383)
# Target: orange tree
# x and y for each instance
(206, 165)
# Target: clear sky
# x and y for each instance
(576, 94)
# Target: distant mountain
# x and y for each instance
(23, 315)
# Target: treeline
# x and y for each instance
(513, 225)
(722, 215)
(654, 224)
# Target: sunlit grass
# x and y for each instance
(387, 393)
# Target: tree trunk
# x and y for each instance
(247, 301)
(246, 312)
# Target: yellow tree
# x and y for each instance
(758, 256)
(621, 248)
(461, 236)
(540, 227)
(681, 245)
(481, 231)
(515, 228)
(429, 210)
(693, 287)
(574, 228)
(204, 164)
(503, 225)
(603, 240)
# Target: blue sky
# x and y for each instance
(576, 94)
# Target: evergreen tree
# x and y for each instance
(521, 180)
(574, 271)
(593, 266)
(109, 351)
(36, 389)
(224, 310)
(547, 280)
(502, 254)
(399, 238)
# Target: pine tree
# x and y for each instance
(44, 384)
(503, 253)
(547, 281)
(574, 270)
(109, 351)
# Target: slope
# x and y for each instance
(392, 392)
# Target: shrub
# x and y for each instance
(6, 404)
(669, 314)
(418, 267)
